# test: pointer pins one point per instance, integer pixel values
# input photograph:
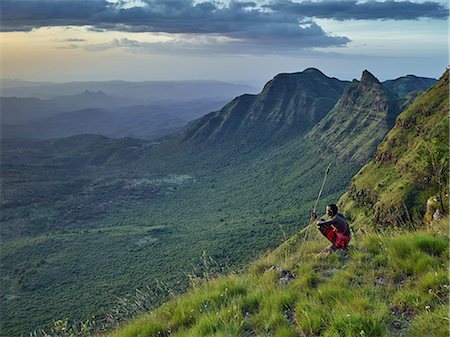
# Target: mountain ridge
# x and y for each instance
(288, 103)
(367, 110)
(405, 85)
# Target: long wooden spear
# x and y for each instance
(317, 202)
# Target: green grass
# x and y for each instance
(350, 296)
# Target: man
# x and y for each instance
(336, 229)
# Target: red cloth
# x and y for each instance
(337, 238)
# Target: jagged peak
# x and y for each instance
(368, 78)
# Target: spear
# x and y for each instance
(317, 201)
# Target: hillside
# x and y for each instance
(391, 283)
(93, 218)
(409, 166)
(359, 120)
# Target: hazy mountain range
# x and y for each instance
(125, 109)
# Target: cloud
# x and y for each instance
(114, 44)
(370, 10)
(71, 40)
(202, 43)
(242, 26)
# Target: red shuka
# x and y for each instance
(336, 230)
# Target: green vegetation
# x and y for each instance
(87, 219)
(112, 234)
(359, 120)
(410, 167)
(390, 283)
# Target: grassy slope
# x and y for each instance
(393, 283)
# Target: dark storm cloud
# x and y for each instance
(244, 23)
(247, 24)
(370, 10)
(185, 16)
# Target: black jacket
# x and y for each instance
(339, 222)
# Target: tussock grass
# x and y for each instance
(389, 283)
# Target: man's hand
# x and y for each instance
(314, 216)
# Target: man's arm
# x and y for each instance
(322, 222)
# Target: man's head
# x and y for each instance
(332, 210)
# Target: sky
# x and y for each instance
(248, 41)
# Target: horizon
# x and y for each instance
(250, 82)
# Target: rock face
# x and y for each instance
(289, 104)
(359, 120)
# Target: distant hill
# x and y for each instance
(146, 91)
(97, 113)
(17, 110)
(403, 86)
(139, 123)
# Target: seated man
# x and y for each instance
(336, 229)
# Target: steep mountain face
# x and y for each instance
(409, 166)
(403, 86)
(359, 120)
(289, 103)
